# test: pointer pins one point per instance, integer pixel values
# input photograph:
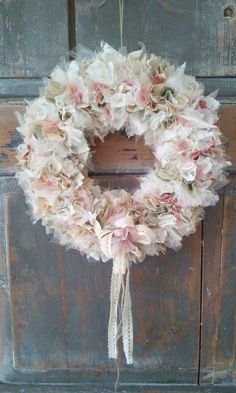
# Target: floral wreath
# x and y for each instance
(145, 95)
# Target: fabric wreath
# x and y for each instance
(146, 96)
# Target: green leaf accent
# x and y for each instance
(191, 187)
(54, 89)
(167, 93)
(38, 134)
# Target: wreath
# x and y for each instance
(102, 93)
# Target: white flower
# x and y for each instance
(157, 119)
(185, 85)
(166, 220)
(187, 170)
(196, 119)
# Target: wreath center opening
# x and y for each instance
(120, 155)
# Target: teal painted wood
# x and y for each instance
(34, 35)
(29, 87)
(196, 31)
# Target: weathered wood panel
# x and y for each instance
(6, 348)
(200, 32)
(35, 290)
(34, 36)
(109, 388)
(60, 306)
(219, 291)
(54, 304)
(9, 137)
(165, 310)
(117, 154)
(29, 87)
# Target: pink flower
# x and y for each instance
(50, 127)
(130, 81)
(184, 122)
(167, 199)
(183, 144)
(51, 131)
(79, 95)
(203, 104)
(159, 79)
(143, 96)
(126, 238)
(196, 155)
(46, 188)
(27, 153)
(49, 185)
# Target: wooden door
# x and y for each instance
(54, 304)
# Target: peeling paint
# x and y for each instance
(85, 7)
(170, 6)
(208, 292)
(3, 156)
(16, 139)
(3, 282)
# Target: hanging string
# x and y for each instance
(121, 13)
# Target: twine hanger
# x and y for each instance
(121, 13)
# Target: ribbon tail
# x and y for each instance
(127, 322)
(120, 319)
(115, 291)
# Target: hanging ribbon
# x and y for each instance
(127, 323)
(120, 320)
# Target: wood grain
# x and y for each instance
(54, 304)
(117, 154)
(9, 137)
(219, 291)
(33, 37)
(193, 31)
(29, 87)
(35, 289)
(109, 388)
(6, 345)
(60, 306)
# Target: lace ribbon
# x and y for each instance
(120, 320)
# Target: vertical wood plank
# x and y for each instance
(35, 293)
(33, 36)
(6, 347)
(219, 291)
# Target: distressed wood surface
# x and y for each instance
(218, 359)
(88, 388)
(117, 154)
(60, 306)
(163, 26)
(6, 347)
(33, 36)
(54, 304)
(29, 87)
